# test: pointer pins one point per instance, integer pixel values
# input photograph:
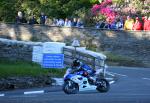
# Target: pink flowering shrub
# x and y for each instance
(104, 9)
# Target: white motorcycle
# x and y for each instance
(75, 82)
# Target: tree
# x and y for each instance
(52, 8)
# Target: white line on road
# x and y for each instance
(110, 74)
(118, 74)
(109, 78)
(146, 78)
(1, 95)
(34, 92)
(111, 82)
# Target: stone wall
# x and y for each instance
(134, 44)
(16, 50)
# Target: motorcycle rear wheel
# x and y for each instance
(103, 85)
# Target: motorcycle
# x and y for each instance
(79, 81)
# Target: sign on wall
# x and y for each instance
(53, 61)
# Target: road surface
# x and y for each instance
(132, 86)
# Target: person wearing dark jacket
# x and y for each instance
(42, 18)
(32, 20)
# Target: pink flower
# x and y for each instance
(105, 10)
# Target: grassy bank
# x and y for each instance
(24, 68)
(118, 60)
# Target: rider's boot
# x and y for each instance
(91, 81)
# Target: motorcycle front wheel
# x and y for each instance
(69, 87)
(102, 85)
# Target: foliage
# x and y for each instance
(118, 1)
(104, 9)
(7, 10)
(95, 1)
(120, 7)
(66, 8)
(52, 8)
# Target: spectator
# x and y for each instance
(97, 25)
(60, 22)
(42, 18)
(32, 20)
(20, 18)
(74, 22)
(113, 25)
(48, 21)
(102, 24)
(79, 23)
(128, 23)
(137, 25)
(55, 22)
(146, 23)
(119, 24)
(67, 22)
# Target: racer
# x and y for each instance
(79, 66)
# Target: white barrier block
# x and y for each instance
(37, 55)
(53, 47)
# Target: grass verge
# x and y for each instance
(24, 68)
(118, 60)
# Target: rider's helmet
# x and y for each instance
(76, 64)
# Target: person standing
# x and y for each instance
(137, 25)
(74, 22)
(128, 23)
(32, 20)
(146, 23)
(67, 22)
(42, 18)
(20, 18)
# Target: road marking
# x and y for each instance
(109, 78)
(118, 74)
(1, 95)
(34, 92)
(111, 82)
(146, 78)
(110, 74)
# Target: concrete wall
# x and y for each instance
(134, 44)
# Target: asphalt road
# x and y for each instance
(133, 86)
